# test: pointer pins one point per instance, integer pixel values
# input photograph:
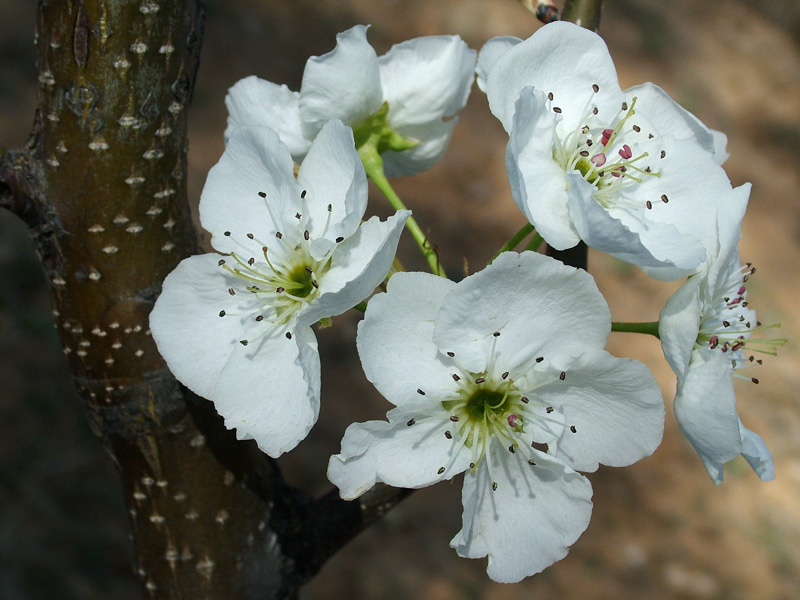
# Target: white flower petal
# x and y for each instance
(731, 215)
(561, 58)
(757, 454)
(679, 325)
(396, 453)
(254, 101)
(529, 522)
(255, 161)
(538, 183)
(615, 406)
(333, 172)
(185, 322)
(343, 84)
(629, 235)
(695, 186)
(426, 78)
(490, 52)
(359, 265)
(670, 118)
(434, 139)
(395, 339)
(539, 306)
(265, 392)
(705, 408)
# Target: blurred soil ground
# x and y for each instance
(660, 529)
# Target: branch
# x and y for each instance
(585, 13)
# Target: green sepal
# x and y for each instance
(376, 132)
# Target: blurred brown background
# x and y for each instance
(660, 528)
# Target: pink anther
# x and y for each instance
(626, 152)
(598, 159)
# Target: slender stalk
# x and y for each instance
(373, 164)
(650, 328)
(524, 232)
(536, 241)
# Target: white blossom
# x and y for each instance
(503, 377)
(235, 327)
(425, 82)
(628, 172)
(705, 330)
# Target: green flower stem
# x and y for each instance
(650, 328)
(373, 165)
(535, 242)
(526, 230)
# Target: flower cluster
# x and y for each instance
(503, 376)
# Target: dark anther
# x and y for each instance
(504, 375)
(339, 239)
(440, 471)
(280, 290)
(288, 335)
(221, 262)
(556, 110)
(262, 194)
(454, 418)
(227, 233)
(448, 435)
(573, 429)
(550, 95)
(231, 292)
(278, 235)
(664, 198)
(303, 194)
(243, 342)
(420, 392)
(563, 376)
(410, 422)
(524, 400)
(222, 313)
(549, 409)
(636, 128)
(511, 449)
(309, 270)
(595, 87)
(649, 205)
(663, 153)
(480, 380)
(539, 359)
(451, 354)
(250, 236)
(540, 446)
(624, 106)
(306, 235)
(456, 377)
(260, 318)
